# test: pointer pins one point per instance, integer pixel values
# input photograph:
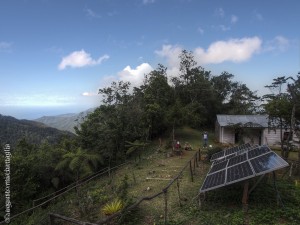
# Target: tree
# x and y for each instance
(80, 163)
(242, 100)
(194, 90)
(278, 107)
(294, 91)
(158, 97)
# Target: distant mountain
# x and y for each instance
(65, 122)
(12, 130)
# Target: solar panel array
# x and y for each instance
(229, 152)
(241, 164)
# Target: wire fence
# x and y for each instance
(175, 182)
(49, 198)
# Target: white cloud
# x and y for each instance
(234, 19)
(171, 53)
(91, 13)
(145, 2)
(220, 12)
(5, 46)
(224, 28)
(135, 76)
(258, 16)
(80, 59)
(234, 50)
(200, 30)
(41, 99)
(278, 44)
(88, 94)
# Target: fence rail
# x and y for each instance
(64, 191)
(192, 163)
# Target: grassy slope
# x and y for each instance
(222, 206)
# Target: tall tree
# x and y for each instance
(278, 107)
(158, 96)
(242, 100)
(294, 91)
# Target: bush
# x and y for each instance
(113, 207)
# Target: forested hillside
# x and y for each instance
(13, 130)
(127, 120)
(65, 122)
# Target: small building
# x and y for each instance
(253, 129)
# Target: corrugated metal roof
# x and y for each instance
(244, 120)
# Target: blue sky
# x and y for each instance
(56, 54)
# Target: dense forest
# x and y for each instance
(129, 116)
(13, 130)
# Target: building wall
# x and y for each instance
(271, 137)
(226, 135)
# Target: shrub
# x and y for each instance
(113, 207)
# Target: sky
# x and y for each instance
(56, 54)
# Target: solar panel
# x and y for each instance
(237, 159)
(241, 165)
(218, 166)
(217, 155)
(267, 163)
(230, 151)
(239, 172)
(214, 180)
(258, 151)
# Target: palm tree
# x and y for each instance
(80, 163)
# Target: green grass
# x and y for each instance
(221, 206)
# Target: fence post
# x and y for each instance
(166, 206)
(178, 192)
(199, 151)
(51, 219)
(191, 170)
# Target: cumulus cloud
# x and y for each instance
(80, 59)
(278, 44)
(135, 76)
(233, 50)
(171, 53)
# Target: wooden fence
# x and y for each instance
(192, 164)
(47, 199)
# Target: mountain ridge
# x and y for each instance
(65, 122)
(13, 130)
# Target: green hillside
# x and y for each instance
(65, 122)
(13, 130)
(153, 172)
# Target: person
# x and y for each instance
(177, 145)
(187, 146)
(205, 138)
